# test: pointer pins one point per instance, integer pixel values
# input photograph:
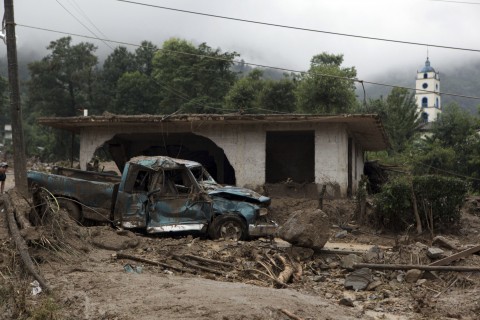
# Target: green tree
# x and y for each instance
(192, 79)
(399, 115)
(454, 126)
(326, 87)
(144, 57)
(61, 84)
(117, 63)
(278, 96)
(137, 93)
(245, 93)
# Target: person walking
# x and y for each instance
(3, 175)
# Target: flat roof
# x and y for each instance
(366, 128)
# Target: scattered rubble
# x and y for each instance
(366, 275)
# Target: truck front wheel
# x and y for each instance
(229, 227)
(72, 209)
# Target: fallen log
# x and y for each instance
(21, 210)
(196, 266)
(120, 255)
(341, 251)
(456, 256)
(415, 266)
(23, 249)
(201, 259)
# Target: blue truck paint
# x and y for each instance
(158, 194)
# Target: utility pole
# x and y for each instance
(19, 161)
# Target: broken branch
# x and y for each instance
(415, 266)
(280, 284)
(196, 266)
(23, 249)
(201, 259)
(290, 315)
(120, 255)
(287, 272)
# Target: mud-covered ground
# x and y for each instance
(90, 279)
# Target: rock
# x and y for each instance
(319, 278)
(342, 234)
(374, 284)
(306, 228)
(413, 275)
(444, 242)
(279, 243)
(434, 253)
(420, 282)
(420, 245)
(359, 279)
(373, 254)
(348, 261)
(300, 253)
(346, 302)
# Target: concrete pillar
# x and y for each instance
(331, 163)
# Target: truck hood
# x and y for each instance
(235, 193)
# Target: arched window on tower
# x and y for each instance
(424, 117)
(437, 104)
(424, 102)
(425, 75)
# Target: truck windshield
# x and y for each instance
(202, 175)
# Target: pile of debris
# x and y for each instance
(373, 279)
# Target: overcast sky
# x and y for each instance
(424, 21)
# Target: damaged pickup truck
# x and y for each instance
(159, 194)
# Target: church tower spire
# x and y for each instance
(427, 93)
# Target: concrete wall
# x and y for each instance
(90, 140)
(245, 148)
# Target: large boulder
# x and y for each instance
(306, 228)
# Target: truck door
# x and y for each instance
(130, 210)
(175, 204)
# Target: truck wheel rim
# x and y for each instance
(230, 231)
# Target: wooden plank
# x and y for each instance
(456, 256)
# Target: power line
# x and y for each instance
(79, 21)
(254, 64)
(462, 2)
(77, 7)
(299, 28)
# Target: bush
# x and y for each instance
(443, 197)
(393, 205)
(439, 199)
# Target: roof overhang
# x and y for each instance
(367, 129)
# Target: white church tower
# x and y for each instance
(427, 93)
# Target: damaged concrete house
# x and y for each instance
(243, 150)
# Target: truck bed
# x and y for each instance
(95, 191)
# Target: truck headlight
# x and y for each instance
(263, 211)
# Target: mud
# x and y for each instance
(90, 283)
